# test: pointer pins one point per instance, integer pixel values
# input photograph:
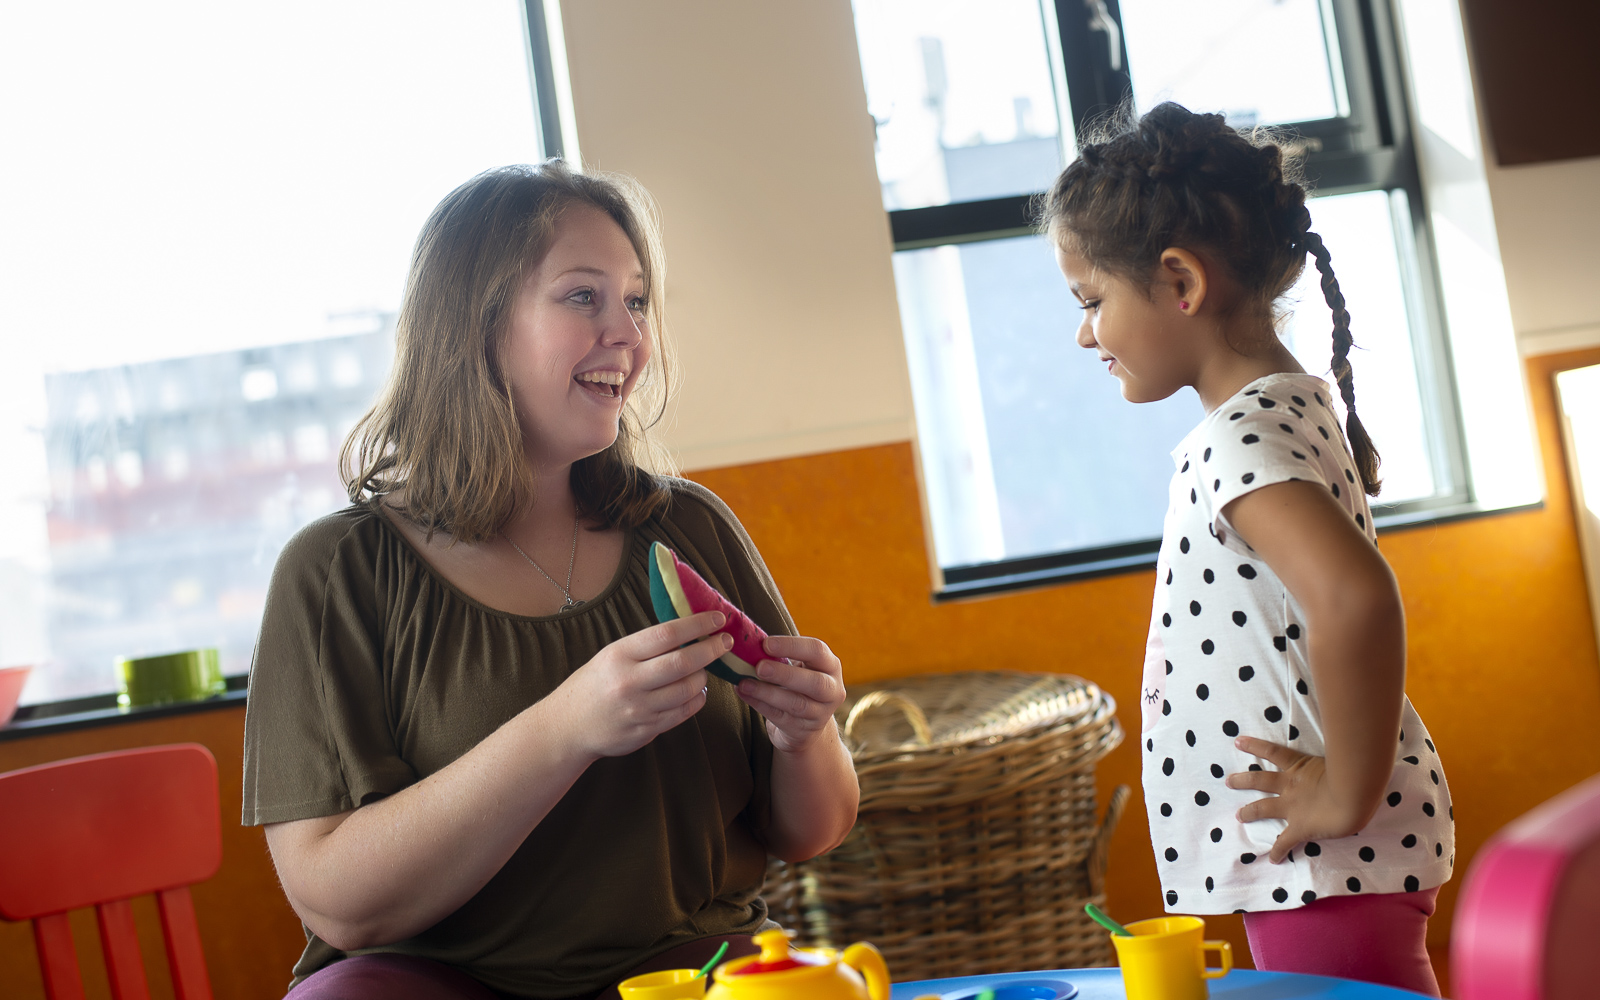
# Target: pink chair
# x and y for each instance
(95, 831)
(1527, 925)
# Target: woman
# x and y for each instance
(479, 761)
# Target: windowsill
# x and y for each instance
(101, 710)
(1140, 562)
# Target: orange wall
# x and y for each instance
(1503, 667)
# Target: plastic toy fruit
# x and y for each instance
(782, 973)
(677, 591)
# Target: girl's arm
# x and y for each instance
(395, 867)
(814, 788)
(1355, 630)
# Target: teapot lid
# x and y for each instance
(776, 956)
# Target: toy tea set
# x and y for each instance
(1161, 959)
(778, 973)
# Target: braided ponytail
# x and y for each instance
(1361, 446)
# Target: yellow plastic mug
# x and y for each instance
(1165, 959)
(673, 984)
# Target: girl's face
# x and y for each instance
(578, 339)
(1139, 336)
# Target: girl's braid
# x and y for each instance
(1361, 446)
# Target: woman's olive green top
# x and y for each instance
(373, 672)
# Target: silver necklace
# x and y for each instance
(572, 559)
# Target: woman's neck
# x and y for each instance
(553, 498)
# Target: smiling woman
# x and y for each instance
(459, 747)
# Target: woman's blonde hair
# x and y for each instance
(443, 443)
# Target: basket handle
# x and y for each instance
(1099, 852)
(910, 709)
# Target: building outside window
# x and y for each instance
(1034, 467)
(210, 212)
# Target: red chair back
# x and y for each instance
(97, 831)
(1527, 925)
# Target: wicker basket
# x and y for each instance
(977, 844)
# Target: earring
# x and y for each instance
(1184, 305)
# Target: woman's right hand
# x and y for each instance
(642, 685)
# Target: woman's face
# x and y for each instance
(578, 339)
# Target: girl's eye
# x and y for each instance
(1091, 304)
(637, 304)
(582, 297)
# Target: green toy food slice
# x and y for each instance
(677, 591)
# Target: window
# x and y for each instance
(1034, 467)
(210, 216)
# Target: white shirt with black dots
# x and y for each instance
(1227, 656)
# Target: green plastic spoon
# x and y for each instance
(724, 950)
(1099, 916)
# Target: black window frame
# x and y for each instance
(1372, 148)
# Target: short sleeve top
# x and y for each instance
(1227, 656)
(373, 672)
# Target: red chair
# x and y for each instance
(1527, 924)
(97, 831)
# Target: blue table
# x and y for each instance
(1106, 984)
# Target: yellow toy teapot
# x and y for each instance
(782, 973)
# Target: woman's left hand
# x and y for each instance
(797, 698)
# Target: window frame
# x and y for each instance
(1373, 148)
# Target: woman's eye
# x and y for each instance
(583, 296)
(1091, 304)
(637, 304)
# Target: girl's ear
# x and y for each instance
(1181, 280)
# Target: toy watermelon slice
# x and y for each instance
(677, 591)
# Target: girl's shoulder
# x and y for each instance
(1272, 396)
(1281, 428)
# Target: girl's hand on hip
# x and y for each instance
(1302, 794)
(798, 697)
(643, 684)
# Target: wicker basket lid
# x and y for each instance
(940, 712)
(955, 738)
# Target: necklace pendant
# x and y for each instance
(572, 605)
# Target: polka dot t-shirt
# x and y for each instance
(1227, 656)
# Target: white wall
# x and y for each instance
(748, 122)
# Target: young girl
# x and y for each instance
(1276, 657)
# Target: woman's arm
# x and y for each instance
(394, 868)
(814, 788)
(1355, 630)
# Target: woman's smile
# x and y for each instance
(604, 383)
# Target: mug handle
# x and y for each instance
(1224, 951)
(868, 961)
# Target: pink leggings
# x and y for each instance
(1376, 939)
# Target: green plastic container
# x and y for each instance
(192, 675)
